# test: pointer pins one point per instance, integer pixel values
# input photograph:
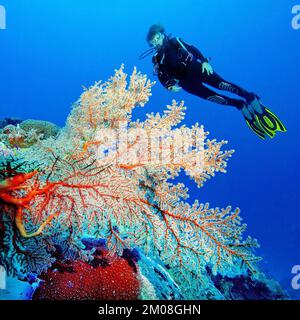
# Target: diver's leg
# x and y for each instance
(203, 92)
(218, 82)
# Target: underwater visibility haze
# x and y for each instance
(227, 228)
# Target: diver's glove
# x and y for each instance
(174, 88)
(207, 67)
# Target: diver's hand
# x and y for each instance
(175, 88)
(208, 68)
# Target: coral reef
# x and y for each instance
(44, 128)
(7, 121)
(15, 137)
(159, 282)
(103, 177)
(24, 134)
(245, 287)
(5, 151)
(115, 280)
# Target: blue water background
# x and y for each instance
(51, 48)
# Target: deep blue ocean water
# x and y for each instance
(51, 48)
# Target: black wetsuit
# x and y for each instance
(177, 62)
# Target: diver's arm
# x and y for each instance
(167, 81)
(193, 50)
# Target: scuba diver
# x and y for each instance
(180, 65)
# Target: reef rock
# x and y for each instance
(7, 121)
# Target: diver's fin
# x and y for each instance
(251, 121)
(266, 119)
(255, 127)
(271, 116)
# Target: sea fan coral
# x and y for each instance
(105, 176)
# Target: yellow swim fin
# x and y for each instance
(252, 122)
(262, 120)
(270, 122)
(255, 127)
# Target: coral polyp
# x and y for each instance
(83, 188)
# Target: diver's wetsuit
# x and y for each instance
(177, 62)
